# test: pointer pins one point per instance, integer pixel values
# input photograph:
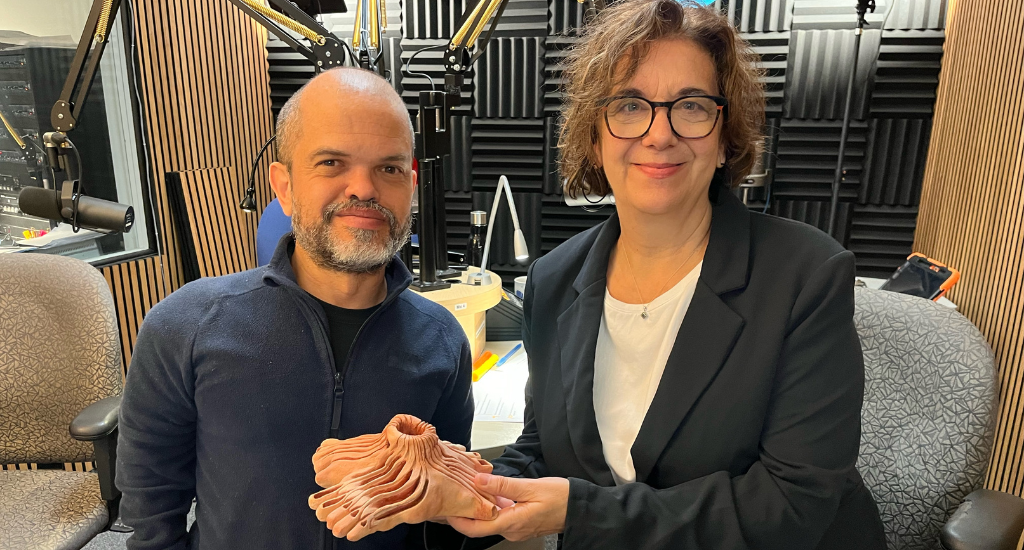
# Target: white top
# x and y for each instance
(630, 359)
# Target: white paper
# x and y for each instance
(59, 236)
(500, 395)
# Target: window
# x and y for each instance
(38, 40)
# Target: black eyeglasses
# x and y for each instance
(690, 117)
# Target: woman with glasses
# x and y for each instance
(695, 376)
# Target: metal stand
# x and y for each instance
(862, 7)
(433, 145)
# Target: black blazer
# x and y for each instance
(753, 434)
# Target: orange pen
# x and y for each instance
(480, 360)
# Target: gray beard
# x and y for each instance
(361, 254)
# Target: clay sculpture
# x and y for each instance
(404, 474)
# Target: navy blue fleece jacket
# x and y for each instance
(232, 387)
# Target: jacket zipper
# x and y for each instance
(328, 541)
(339, 377)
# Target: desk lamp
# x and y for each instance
(482, 278)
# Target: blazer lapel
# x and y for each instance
(707, 335)
(705, 339)
(577, 332)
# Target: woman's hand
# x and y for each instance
(538, 509)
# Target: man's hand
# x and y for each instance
(529, 508)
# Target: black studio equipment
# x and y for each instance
(70, 206)
(28, 91)
(477, 236)
(68, 203)
(863, 6)
(433, 142)
(922, 276)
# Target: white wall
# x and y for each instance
(45, 17)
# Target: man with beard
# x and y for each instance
(236, 380)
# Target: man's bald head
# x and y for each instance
(331, 88)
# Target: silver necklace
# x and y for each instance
(644, 314)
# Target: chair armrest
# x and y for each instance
(986, 520)
(96, 421)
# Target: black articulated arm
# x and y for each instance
(325, 51)
(986, 520)
(458, 58)
(69, 105)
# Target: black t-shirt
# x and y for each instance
(343, 324)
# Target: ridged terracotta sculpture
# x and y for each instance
(404, 474)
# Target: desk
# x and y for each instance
(469, 304)
(490, 437)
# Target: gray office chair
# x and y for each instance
(60, 372)
(930, 405)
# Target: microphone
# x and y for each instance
(94, 214)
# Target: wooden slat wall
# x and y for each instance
(206, 104)
(972, 206)
(214, 231)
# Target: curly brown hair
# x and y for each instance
(610, 52)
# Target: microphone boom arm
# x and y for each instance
(324, 50)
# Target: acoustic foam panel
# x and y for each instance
(524, 18)
(509, 79)
(818, 72)
(758, 15)
(555, 49)
(808, 151)
(842, 14)
(439, 19)
(559, 222)
(907, 74)
(552, 180)
(431, 19)
(894, 161)
(460, 177)
(565, 17)
(510, 147)
(881, 237)
(917, 15)
(835, 14)
(816, 213)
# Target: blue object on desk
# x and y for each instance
(508, 355)
(273, 225)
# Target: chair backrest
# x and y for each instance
(273, 225)
(930, 402)
(59, 352)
